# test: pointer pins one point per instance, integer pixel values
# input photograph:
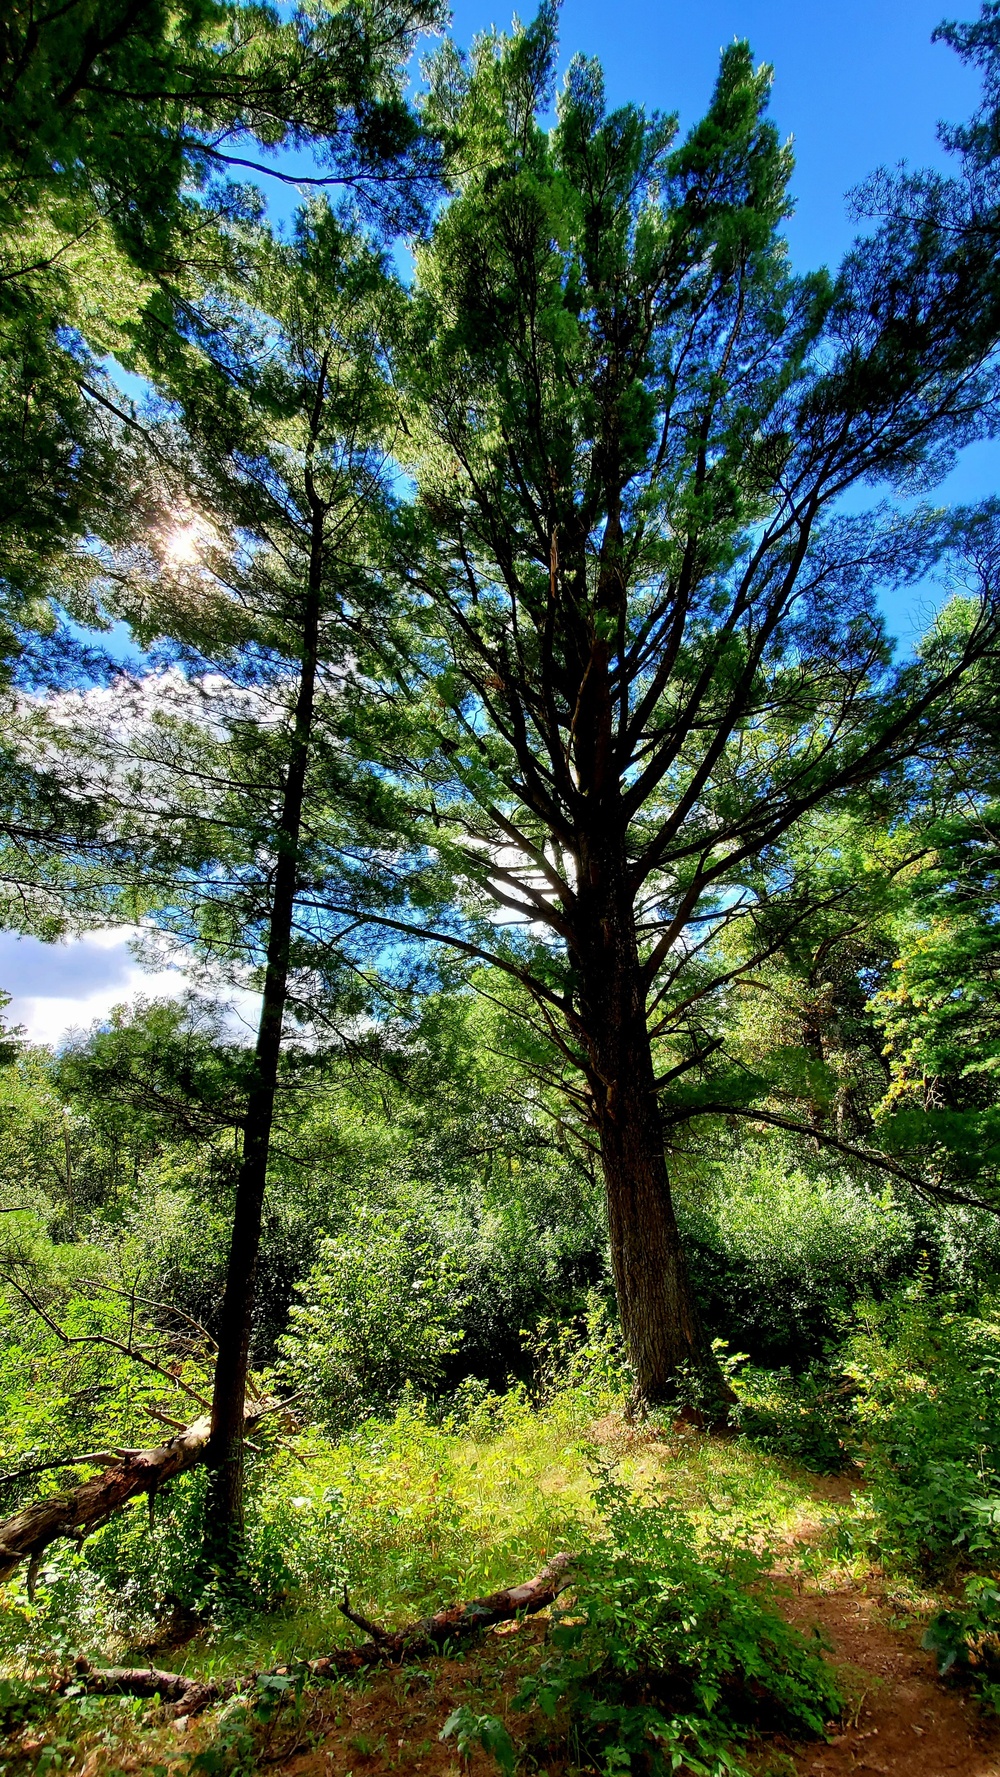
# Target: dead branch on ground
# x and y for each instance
(455, 1622)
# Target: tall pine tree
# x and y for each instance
(649, 637)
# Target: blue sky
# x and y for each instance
(858, 84)
(56, 988)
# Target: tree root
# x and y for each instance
(456, 1622)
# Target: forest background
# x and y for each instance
(494, 547)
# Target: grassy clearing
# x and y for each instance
(409, 1514)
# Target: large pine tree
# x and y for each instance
(649, 637)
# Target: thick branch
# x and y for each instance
(928, 1188)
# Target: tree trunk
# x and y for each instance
(224, 1526)
(76, 1511)
(669, 1349)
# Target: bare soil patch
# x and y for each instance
(394, 1724)
(906, 1721)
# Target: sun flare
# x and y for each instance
(182, 545)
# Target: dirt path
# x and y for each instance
(906, 1723)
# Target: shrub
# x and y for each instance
(666, 1651)
(799, 1415)
(378, 1313)
(779, 1255)
(927, 1420)
(584, 1357)
(967, 1639)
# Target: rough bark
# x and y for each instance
(187, 1695)
(455, 1622)
(80, 1510)
(666, 1341)
(224, 1529)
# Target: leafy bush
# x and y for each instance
(666, 1651)
(779, 1255)
(584, 1356)
(85, 1363)
(927, 1419)
(146, 1571)
(470, 1728)
(378, 1313)
(967, 1639)
(798, 1415)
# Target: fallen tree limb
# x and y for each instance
(80, 1510)
(456, 1622)
(188, 1696)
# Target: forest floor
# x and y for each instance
(901, 1719)
(904, 1722)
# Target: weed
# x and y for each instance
(469, 1727)
(927, 1422)
(802, 1416)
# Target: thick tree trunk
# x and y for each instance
(224, 1526)
(667, 1344)
(670, 1352)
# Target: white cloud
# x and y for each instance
(60, 987)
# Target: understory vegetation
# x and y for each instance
(447, 1406)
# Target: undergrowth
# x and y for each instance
(925, 1376)
(429, 1506)
(669, 1648)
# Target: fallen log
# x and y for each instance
(187, 1695)
(452, 1623)
(83, 1509)
(455, 1622)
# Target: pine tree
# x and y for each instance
(649, 634)
(262, 580)
(125, 129)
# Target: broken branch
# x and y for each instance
(79, 1510)
(430, 1635)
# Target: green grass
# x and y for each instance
(410, 1514)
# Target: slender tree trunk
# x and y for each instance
(224, 1527)
(666, 1341)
